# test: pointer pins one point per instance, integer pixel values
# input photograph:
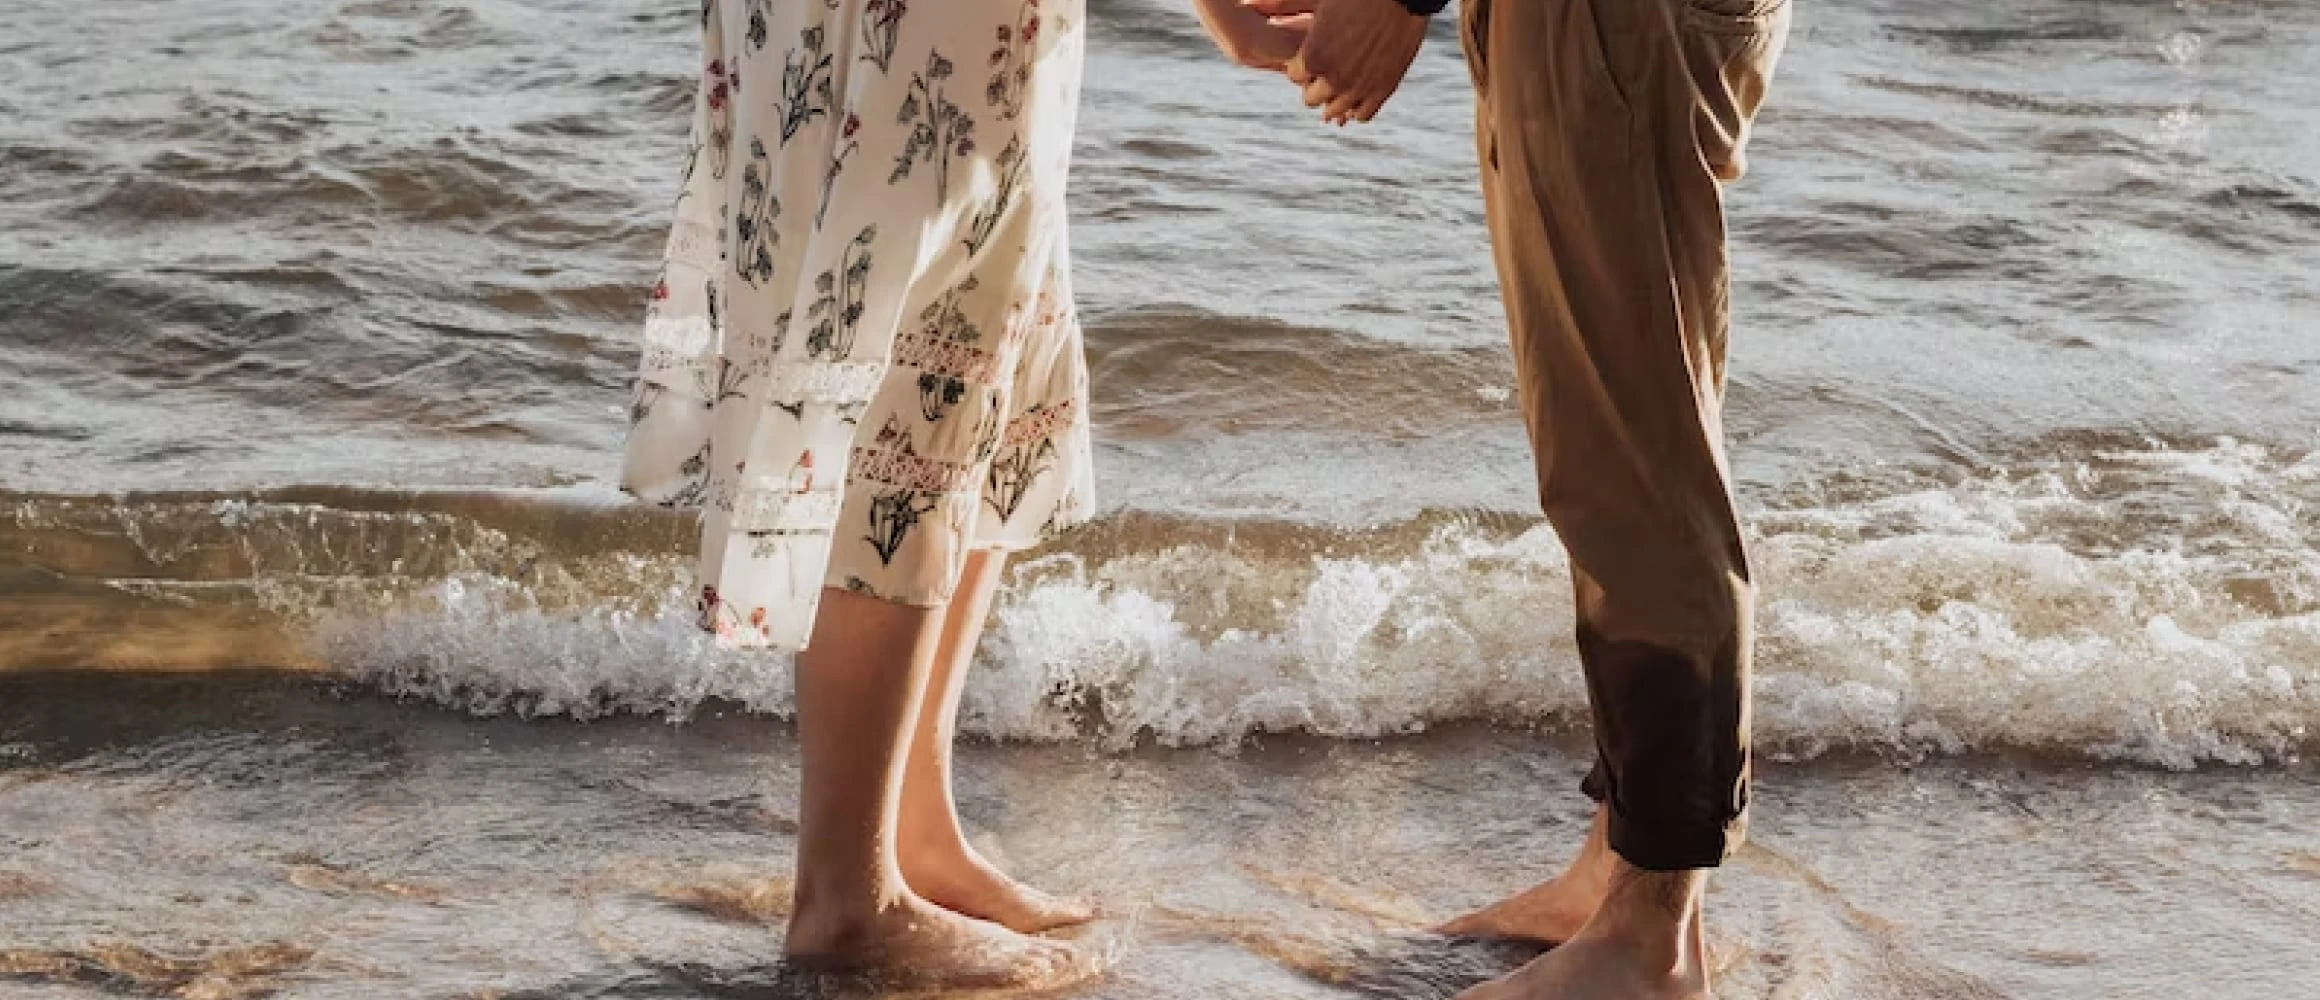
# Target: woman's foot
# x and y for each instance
(937, 862)
(912, 943)
(953, 876)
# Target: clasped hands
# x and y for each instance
(1349, 56)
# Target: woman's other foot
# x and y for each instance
(913, 943)
(936, 861)
(953, 876)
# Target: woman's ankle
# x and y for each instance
(930, 837)
(822, 892)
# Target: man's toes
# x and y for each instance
(1469, 925)
(1496, 989)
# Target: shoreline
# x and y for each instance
(290, 699)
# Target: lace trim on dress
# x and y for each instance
(762, 509)
(686, 335)
(825, 382)
(887, 467)
(694, 244)
(677, 353)
(936, 355)
(1042, 422)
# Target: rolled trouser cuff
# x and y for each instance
(1672, 755)
(1658, 846)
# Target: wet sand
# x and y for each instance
(255, 834)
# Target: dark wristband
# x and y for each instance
(1424, 8)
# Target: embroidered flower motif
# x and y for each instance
(985, 222)
(806, 87)
(939, 129)
(892, 518)
(882, 29)
(1011, 62)
(720, 87)
(754, 224)
(847, 146)
(892, 435)
(837, 312)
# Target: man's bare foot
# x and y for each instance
(1646, 942)
(1551, 912)
(958, 879)
(1546, 914)
(915, 944)
(1590, 969)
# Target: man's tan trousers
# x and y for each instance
(1607, 130)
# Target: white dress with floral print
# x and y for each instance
(862, 359)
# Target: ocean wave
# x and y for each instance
(2158, 606)
(1990, 614)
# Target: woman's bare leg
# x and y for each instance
(858, 694)
(937, 861)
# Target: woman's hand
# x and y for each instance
(1250, 38)
(1356, 54)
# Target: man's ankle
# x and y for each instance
(1656, 916)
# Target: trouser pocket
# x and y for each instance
(1730, 49)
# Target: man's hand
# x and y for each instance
(1355, 52)
(1250, 38)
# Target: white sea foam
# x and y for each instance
(1998, 613)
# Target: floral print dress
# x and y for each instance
(862, 360)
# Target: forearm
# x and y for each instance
(1244, 35)
(1215, 14)
(1225, 20)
